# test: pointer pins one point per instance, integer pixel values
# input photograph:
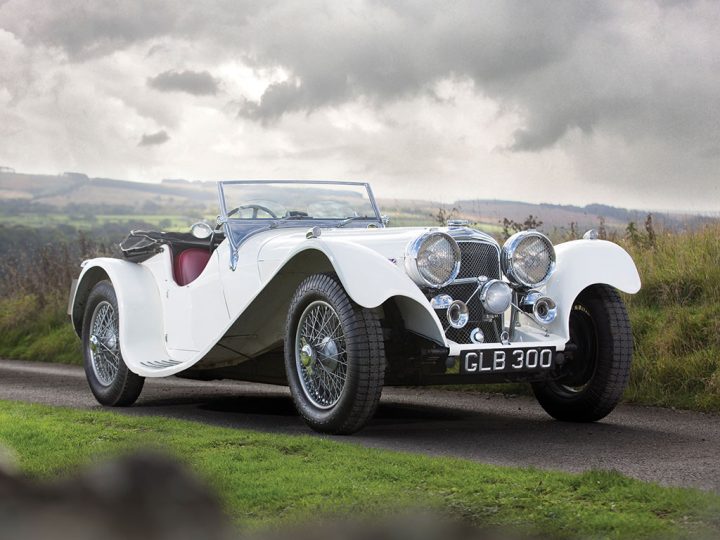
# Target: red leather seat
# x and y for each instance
(190, 264)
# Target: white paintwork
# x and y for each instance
(368, 262)
(142, 321)
(192, 312)
(166, 328)
(196, 316)
(581, 263)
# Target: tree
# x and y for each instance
(633, 234)
(573, 233)
(602, 229)
(650, 230)
(443, 215)
(510, 227)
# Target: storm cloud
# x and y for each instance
(198, 83)
(593, 96)
(153, 139)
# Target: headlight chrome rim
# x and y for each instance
(413, 251)
(509, 252)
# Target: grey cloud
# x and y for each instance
(154, 139)
(197, 83)
(390, 52)
(562, 65)
(636, 75)
(86, 29)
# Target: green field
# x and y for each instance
(266, 480)
(167, 222)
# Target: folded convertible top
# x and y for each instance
(139, 246)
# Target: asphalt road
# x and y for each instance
(669, 447)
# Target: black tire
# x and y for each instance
(364, 359)
(115, 388)
(596, 373)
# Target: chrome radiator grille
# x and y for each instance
(478, 259)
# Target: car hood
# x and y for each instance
(390, 242)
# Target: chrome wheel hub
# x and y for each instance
(103, 346)
(320, 355)
(329, 354)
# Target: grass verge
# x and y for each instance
(37, 328)
(267, 480)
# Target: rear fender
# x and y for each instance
(141, 316)
(582, 263)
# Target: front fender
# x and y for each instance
(371, 279)
(140, 317)
(582, 263)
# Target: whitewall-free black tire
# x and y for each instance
(334, 357)
(110, 380)
(598, 369)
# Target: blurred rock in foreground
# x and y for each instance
(134, 497)
(150, 496)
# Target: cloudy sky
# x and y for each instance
(567, 102)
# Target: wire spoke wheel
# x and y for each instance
(110, 380)
(104, 343)
(334, 356)
(321, 354)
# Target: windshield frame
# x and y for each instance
(237, 237)
(318, 221)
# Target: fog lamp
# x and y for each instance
(496, 296)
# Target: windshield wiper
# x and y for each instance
(350, 220)
(285, 219)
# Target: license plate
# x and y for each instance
(507, 360)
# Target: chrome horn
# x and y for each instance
(543, 308)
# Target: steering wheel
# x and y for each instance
(255, 208)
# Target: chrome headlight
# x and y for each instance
(433, 259)
(528, 258)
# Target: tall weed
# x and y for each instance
(676, 320)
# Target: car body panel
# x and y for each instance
(141, 316)
(582, 263)
(183, 324)
(236, 309)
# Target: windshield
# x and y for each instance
(282, 201)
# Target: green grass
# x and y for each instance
(267, 479)
(34, 328)
(676, 321)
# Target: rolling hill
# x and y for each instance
(76, 195)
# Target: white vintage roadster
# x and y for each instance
(301, 283)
